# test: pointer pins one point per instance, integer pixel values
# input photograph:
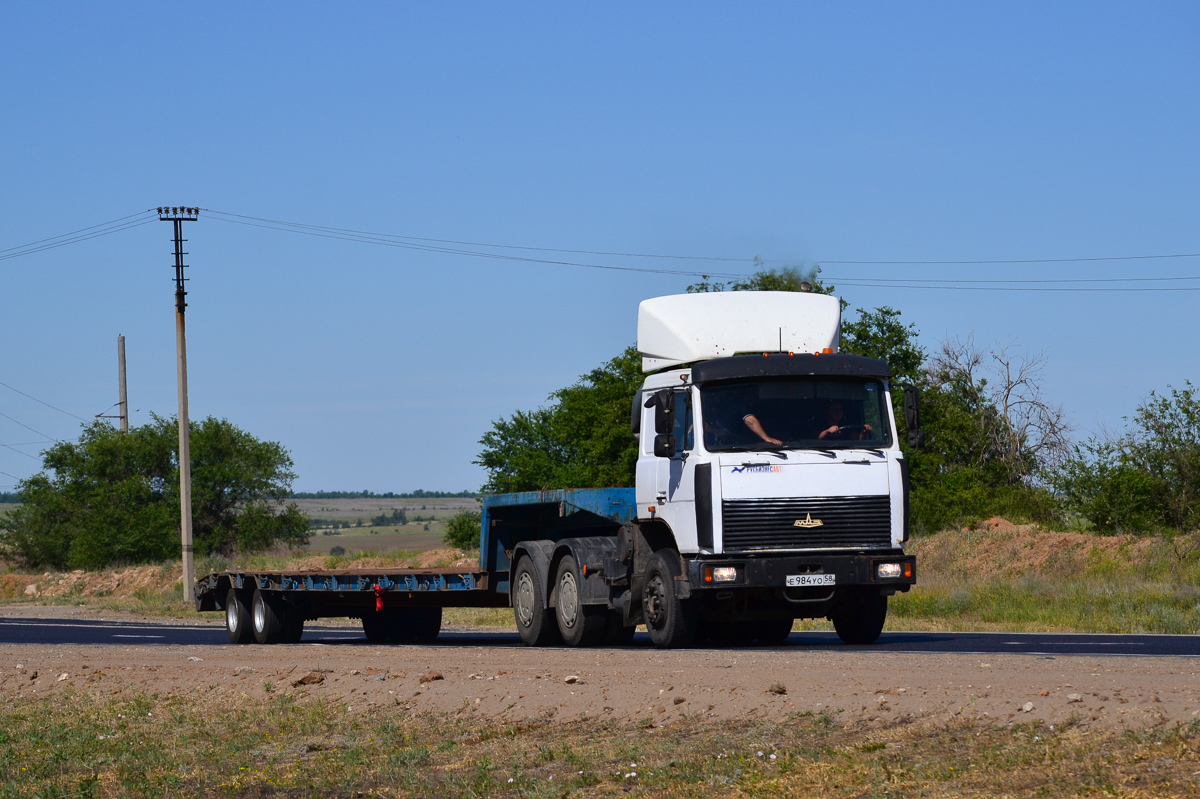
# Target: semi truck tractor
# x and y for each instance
(770, 486)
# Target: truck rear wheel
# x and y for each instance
(860, 616)
(671, 621)
(268, 621)
(578, 624)
(237, 618)
(535, 623)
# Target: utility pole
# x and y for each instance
(124, 399)
(178, 216)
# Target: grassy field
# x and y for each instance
(235, 745)
(349, 523)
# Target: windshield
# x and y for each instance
(795, 413)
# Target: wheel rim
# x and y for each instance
(525, 599)
(568, 600)
(655, 601)
(260, 614)
(231, 617)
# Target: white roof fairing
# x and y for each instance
(684, 328)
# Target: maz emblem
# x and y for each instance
(809, 521)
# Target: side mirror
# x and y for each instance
(663, 403)
(912, 417)
(664, 446)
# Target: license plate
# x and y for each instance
(804, 580)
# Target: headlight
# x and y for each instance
(724, 574)
(720, 574)
(887, 571)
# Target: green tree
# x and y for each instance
(462, 531)
(112, 498)
(1146, 479)
(880, 334)
(582, 439)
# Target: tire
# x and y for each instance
(535, 622)
(237, 618)
(615, 631)
(419, 625)
(773, 632)
(378, 626)
(293, 625)
(859, 618)
(578, 624)
(671, 621)
(267, 620)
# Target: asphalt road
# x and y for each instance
(76, 632)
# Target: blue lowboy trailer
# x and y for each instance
(405, 605)
(770, 485)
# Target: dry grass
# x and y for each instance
(235, 745)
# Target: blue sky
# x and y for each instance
(801, 133)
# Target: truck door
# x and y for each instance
(675, 476)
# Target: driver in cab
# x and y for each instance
(834, 430)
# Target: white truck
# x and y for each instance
(770, 486)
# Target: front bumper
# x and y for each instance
(772, 571)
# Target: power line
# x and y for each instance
(30, 429)
(378, 239)
(1018, 288)
(13, 476)
(83, 234)
(483, 244)
(14, 449)
(870, 280)
(434, 245)
(48, 405)
(999, 261)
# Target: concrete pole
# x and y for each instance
(185, 461)
(121, 383)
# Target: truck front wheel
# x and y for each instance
(860, 616)
(671, 621)
(535, 623)
(578, 624)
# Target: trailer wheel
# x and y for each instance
(268, 624)
(860, 616)
(237, 618)
(377, 625)
(534, 623)
(420, 625)
(578, 624)
(293, 625)
(671, 621)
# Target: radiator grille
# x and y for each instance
(846, 522)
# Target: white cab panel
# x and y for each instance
(683, 328)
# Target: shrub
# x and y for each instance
(463, 529)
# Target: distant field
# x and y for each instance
(426, 522)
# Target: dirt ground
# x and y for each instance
(514, 685)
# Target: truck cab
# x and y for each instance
(771, 463)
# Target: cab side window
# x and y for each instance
(684, 428)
